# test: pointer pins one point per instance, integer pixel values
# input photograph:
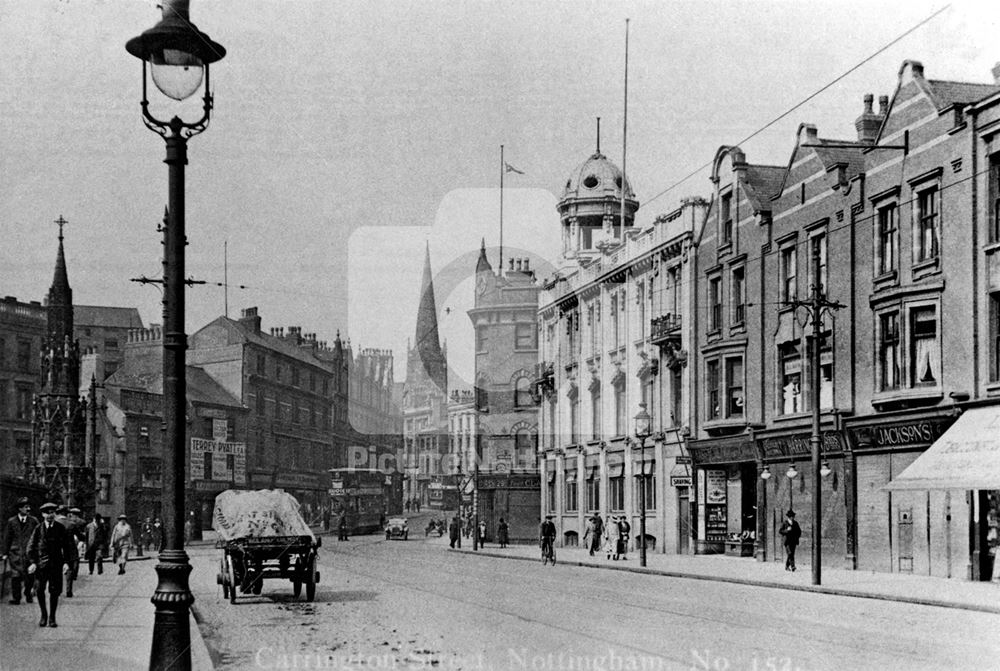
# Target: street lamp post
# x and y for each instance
(179, 56)
(643, 430)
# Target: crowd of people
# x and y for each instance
(45, 556)
(614, 533)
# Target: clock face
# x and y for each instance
(481, 284)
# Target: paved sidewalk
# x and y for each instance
(948, 593)
(106, 626)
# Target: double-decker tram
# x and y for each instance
(360, 495)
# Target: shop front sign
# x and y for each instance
(908, 434)
(778, 447)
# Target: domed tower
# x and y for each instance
(591, 206)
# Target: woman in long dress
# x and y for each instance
(611, 537)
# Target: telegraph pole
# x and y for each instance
(816, 304)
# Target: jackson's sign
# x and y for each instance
(894, 435)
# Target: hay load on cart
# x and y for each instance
(262, 535)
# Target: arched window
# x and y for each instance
(522, 393)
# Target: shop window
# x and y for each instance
(888, 351)
(738, 296)
(712, 389)
(551, 478)
(714, 304)
(734, 387)
(927, 225)
(925, 356)
(791, 378)
(593, 490)
(570, 489)
(645, 485)
(788, 269)
(886, 240)
(616, 489)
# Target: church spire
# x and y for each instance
(428, 343)
(60, 344)
(483, 264)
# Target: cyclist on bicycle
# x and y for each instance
(547, 535)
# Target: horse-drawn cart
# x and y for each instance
(262, 535)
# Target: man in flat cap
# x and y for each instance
(15, 550)
(50, 550)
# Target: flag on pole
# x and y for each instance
(509, 168)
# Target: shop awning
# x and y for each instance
(965, 457)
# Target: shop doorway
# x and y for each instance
(683, 521)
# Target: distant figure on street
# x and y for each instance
(611, 537)
(158, 537)
(51, 551)
(792, 532)
(455, 532)
(482, 533)
(342, 528)
(97, 543)
(326, 519)
(15, 551)
(406, 505)
(546, 534)
(503, 531)
(625, 533)
(121, 543)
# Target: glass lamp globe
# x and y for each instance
(176, 73)
(791, 472)
(765, 474)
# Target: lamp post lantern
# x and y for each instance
(643, 429)
(179, 56)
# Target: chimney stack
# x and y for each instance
(868, 123)
(250, 319)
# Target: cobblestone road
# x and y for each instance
(395, 605)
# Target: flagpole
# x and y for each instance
(501, 209)
(625, 133)
(225, 277)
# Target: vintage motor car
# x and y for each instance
(396, 528)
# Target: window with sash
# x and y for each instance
(715, 304)
(887, 240)
(788, 268)
(888, 351)
(791, 378)
(738, 296)
(927, 225)
(712, 389)
(925, 357)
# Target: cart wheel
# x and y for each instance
(224, 577)
(311, 579)
(231, 569)
(296, 580)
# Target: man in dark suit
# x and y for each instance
(15, 550)
(50, 548)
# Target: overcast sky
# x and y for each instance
(346, 135)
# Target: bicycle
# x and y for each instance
(548, 551)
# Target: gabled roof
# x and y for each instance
(201, 387)
(762, 182)
(851, 157)
(109, 317)
(946, 94)
(268, 341)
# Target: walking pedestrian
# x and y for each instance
(503, 531)
(611, 538)
(50, 550)
(342, 527)
(97, 543)
(791, 531)
(158, 537)
(74, 524)
(454, 532)
(482, 533)
(15, 550)
(121, 543)
(326, 519)
(595, 540)
(625, 533)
